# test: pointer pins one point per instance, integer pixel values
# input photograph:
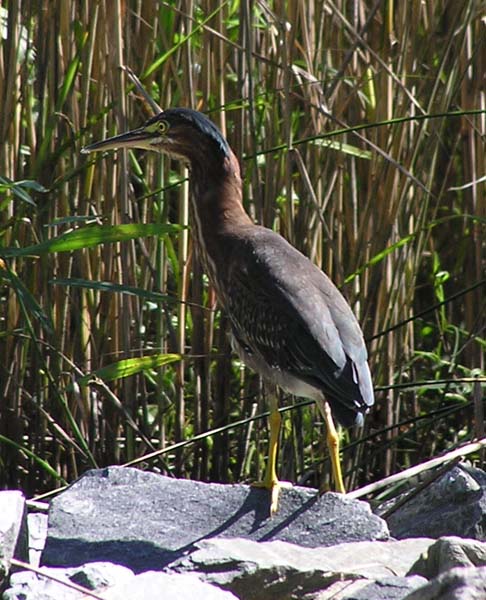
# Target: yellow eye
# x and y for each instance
(163, 127)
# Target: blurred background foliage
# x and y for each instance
(360, 127)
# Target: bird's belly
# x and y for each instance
(274, 375)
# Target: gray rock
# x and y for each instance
(267, 570)
(13, 530)
(456, 584)
(25, 585)
(455, 504)
(37, 526)
(447, 553)
(158, 519)
(95, 576)
(389, 588)
(155, 586)
(112, 582)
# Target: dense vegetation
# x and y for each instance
(360, 126)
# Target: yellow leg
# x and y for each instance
(333, 445)
(270, 480)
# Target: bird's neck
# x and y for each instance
(217, 209)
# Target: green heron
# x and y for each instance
(288, 320)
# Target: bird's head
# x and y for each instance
(179, 132)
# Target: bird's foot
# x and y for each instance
(324, 489)
(273, 486)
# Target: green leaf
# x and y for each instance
(40, 461)
(183, 39)
(381, 255)
(30, 184)
(405, 240)
(66, 88)
(342, 147)
(130, 366)
(107, 286)
(87, 237)
(71, 73)
(19, 188)
(27, 300)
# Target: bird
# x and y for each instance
(288, 321)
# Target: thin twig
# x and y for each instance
(430, 464)
(138, 84)
(74, 586)
(421, 486)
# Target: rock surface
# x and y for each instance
(388, 588)
(37, 525)
(263, 570)
(158, 519)
(153, 584)
(13, 530)
(192, 540)
(111, 582)
(456, 584)
(447, 553)
(455, 504)
(26, 585)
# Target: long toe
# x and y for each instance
(274, 486)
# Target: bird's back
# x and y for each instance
(290, 323)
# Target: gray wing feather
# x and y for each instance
(299, 291)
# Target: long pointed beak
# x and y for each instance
(137, 138)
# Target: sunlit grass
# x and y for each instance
(362, 143)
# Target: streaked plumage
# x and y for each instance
(291, 324)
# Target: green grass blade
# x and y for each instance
(381, 255)
(107, 286)
(27, 300)
(40, 461)
(344, 148)
(66, 88)
(408, 238)
(19, 189)
(130, 366)
(87, 237)
(161, 60)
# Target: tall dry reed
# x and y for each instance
(360, 127)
